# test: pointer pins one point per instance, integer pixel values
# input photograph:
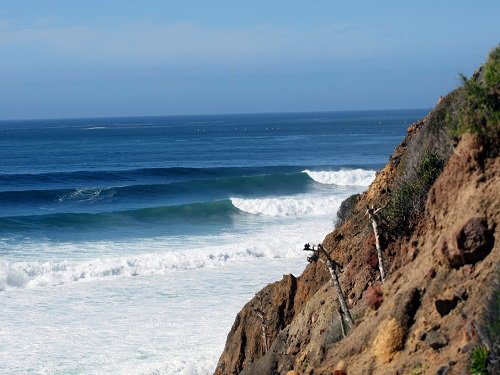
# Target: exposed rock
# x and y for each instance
(280, 302)
(470, 244)
(393, 331)
(345, 209)
(374, 296)
(406, 306)
(275, 361)
(436, 340)
(475, 240)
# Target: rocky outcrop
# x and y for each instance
(278, 303)
(470, 244)
(442, 267)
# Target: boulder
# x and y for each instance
(436, 340)
(470, 244)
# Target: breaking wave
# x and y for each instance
(47, 273)
(354, 177)
(288, 206)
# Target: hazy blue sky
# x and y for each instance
(75, 58)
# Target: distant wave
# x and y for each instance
(184, 213)
(354, 177)
(194, 190)
(42, 274)
(137, 176)
(143, 176)
(288, 206)
(221, 211)
(217, 187)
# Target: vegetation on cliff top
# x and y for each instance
(472, 108)
(480, 104)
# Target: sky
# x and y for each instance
(105, 58)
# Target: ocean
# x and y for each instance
(128, 245)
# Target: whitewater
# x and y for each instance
(138, 264)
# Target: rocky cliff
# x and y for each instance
(437, 312)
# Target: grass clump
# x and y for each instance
(408, 198)
(490, 332)
(479, 364)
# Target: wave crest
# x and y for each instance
(353, 177)
(288, 206)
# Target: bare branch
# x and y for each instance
(374, 219)
(333, 267)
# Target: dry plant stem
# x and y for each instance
(373, 217)
(259, 311)
(332, 267)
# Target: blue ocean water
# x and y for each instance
(108, 211)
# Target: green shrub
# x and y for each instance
(408, 199)
(490, 325)
(479, 361)
(472, 108)
(479, 111)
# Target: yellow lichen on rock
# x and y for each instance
(389, 340)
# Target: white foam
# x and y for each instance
(48, 273)
(352, 177)
(186, 366)
(289, 206)
(87, 195)
(144, 306)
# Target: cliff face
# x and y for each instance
(440, 209)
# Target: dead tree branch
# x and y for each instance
(320, 254)
(372, 214)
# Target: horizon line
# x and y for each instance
(208, 114)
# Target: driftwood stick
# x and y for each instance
(372, 214)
